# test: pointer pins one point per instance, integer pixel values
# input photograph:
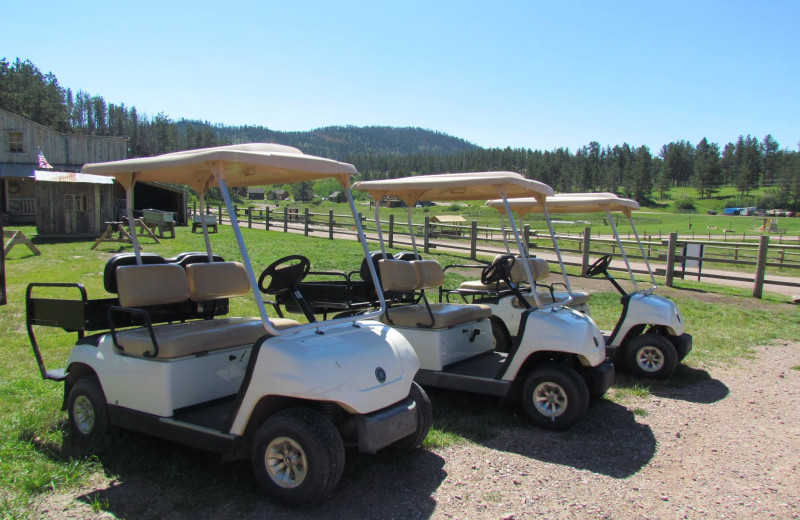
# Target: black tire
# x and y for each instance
(424, 420)
(501, 340)
(311, 446)
(651, 356)
(554, 396)
(87, 410)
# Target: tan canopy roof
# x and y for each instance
(455, 186)
(251, 164)
(569, 203)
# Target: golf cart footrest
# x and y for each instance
(380, 429)
(600, 378)
(56, 374)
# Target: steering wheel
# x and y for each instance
(599, 266)
(498, 270)
(284, 274)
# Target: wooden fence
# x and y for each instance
(671, 256)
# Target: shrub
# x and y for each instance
(685, 204)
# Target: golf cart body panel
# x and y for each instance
(560, 330)
(650, 309)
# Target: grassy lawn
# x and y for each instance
(37, 455)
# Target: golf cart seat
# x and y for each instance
(400, 276)
(145, 285)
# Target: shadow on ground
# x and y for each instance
(151, 478)
(686, 384)
(607, 440)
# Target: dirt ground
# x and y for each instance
(726, 445)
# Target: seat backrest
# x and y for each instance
(539, 269)
(110, 271)
(429, 273)
(398, 275)
(154, 284)
(184, 259)
(216, 280)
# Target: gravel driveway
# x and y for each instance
(725, 446)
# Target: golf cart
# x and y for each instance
(649, 336)
(555, 363)
(162, 359)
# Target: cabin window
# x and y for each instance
(15, 142)
(74, 202)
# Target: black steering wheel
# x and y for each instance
(284, 274)
(599, 266)
(498, 270)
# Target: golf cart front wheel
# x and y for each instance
(554, 397)
(652, 356)
(298, 456)
(424, 420)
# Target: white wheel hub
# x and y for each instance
(83, 411)
(650, 359)
(550, 399)
(286, 462)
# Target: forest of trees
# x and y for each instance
(380, 152)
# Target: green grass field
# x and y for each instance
(38, 456)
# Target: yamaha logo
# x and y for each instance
(380, 375)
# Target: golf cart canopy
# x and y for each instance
(569, 203)
(253, 164)
(455, 186)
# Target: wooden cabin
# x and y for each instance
(20, 141)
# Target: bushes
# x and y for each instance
(685, 204)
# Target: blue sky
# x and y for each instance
(531, 74)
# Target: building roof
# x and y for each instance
(56, 176)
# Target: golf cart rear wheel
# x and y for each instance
(88, 415)
(554, 396)
(424, 420)
(652, 356)
(298, 456)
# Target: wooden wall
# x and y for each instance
(52, 219)
(65, 151)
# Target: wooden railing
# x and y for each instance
(670, 256)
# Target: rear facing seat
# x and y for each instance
(143, 285)
(403, 276)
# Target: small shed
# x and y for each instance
(447, 225)
(256, 192)
(337, 196)
(72, 204)
(277, 195)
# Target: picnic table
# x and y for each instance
(116, 231)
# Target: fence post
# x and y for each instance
(473, 240)
(360, 221)
(286, 219)
(391, 231)
(587, 241)
(761, 266)
(249, 217)
(220, 213)
(330, 224)
(306, 221)
(526, 238)
(194, 207)
(669, 270)
(427, 235)
(266, 219)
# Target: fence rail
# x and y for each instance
(671, 257)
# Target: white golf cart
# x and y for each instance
(163, 360)
(556, 362)
(649, 336)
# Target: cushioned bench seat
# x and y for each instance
(196, 337)
(444, 315)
